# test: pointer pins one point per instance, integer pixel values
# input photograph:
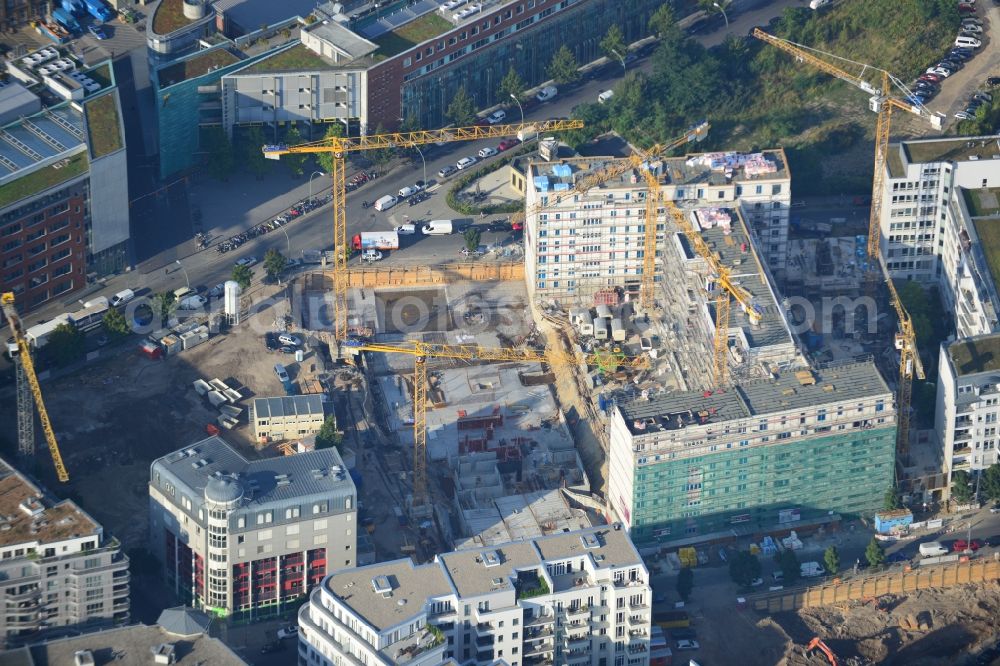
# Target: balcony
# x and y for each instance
(27, 595)
(536, 649)
(579, 610)
(638, 606)
(578, 642)
(537, 635)
(485, 642)
(636, 620)
(541, 621)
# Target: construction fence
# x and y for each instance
(867, 587)
(424, 275)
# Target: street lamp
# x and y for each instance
(288, 241)
(423, 162)
(624, 68)
(719, 7)
(314, 173)
(187, 282)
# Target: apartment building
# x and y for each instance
(572, 598)
(250, 538)
(763, 454)
(57, 567)
(968, 401)
(578, 244)
(930, 231)
(63, 177)
(287, 417)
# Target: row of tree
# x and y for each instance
(745, 568)
(963, 485)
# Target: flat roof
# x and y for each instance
(43, 179)
(134, 646)
(611, 548)
(169, 16)
(471, 576)
(251, 14)
(982, 202)
(952, 150)
(196, 65)
(104, 125)
(295, 405)
(790, 391)
(988, 233)
(345, 40)
(974, 355)
(28, 516)
(405, 36)
(296, 58)
(411, 587)
(14, 97)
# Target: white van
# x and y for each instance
(816, 4)
(386, 202)
(406, 229)
(407, 191)
(932, 549)
(605, 96)
(182, 293)
(967, 42)
(438, 228)
(122, 297)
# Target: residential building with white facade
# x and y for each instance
(583, 243)
(250, 538)
(573, 598)
(968, 402)
(763, 454)
(287, 417)
(931, 223)
(57, 567)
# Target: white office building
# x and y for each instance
(575, 598)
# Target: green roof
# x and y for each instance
(169, 16)
(988, 231)
(195, 67)
(101, 74)
(103, 125)
(973, 355)
(407, 36)
(983, 202)
(43, 179)
(296, 58)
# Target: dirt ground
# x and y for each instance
(119, 413)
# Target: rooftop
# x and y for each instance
(408, 35)
(411, 587)
(249, 15)
(195, 66)
(169, 16)
(790, 391)
(135, 646)
(952, 150)
(26, 516)
(348, 42)
(103, 125)
(988, 232)
(297, 405)
(983, 202)
(14, 97)
(974, 355)
(292, 59)
(42, 179)
(476, 572)
(610, 547)
(271, 480)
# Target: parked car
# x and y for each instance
(465, 163)
(289, 339)
(993, 81)
(282, 374)
(547, 93)
(687, 644)
(496, 117)
(271, 341)
(371, 255)
(964, 115)
(933, 78)
(218, 290)
(778, 575)
(446, 171)
(498, 227)
(287, 349)
(940, 71)
(247, 261)
(487, 152)
(995, 509)
(507, 144)
(291, 631)
(962, 545)
(971, 27)
(964, 8)
(98, 32)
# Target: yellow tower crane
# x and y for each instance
(883, 104)
(620, 166)
(24, 358)
(421, 351)
(340, 146)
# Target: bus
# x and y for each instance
(91, 316)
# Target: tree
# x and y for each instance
(892, 501)
(613, 45)
(382, 156)
(65, 344)
(274, 264)
(472, 236)
(663, 24)
(564, 69)
(221, 159)
(874, 553)
(789, 564)
(115, 323)
(989, 484)
(328, 436)
(961, 488)
(744, 568)
(296, 162)
(462, 110)
(512, 84)
(243, 276)
(163, 305)
(685, 582)
(325, 160)
(253, 157)
(831, 558)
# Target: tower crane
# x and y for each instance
(882, 104)
(638, 161)
(23, 354)
(421, 351)
(340, 146)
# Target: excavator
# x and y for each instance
(818, 644)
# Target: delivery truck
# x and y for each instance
(38, 335)
(376, 240)
(438, 228)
